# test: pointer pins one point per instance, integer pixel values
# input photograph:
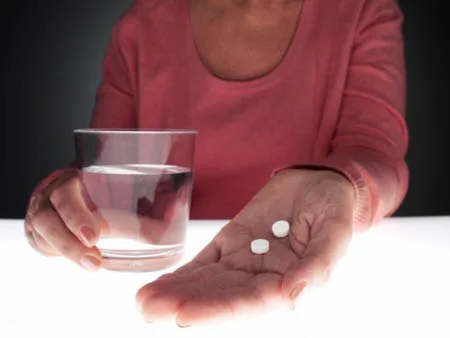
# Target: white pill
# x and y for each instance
(280, 229)
(260, 246)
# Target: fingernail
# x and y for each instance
(90, 263)
(139, 307)
(182, 325)
(87, 236)
(297, 290)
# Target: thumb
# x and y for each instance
(314, 268)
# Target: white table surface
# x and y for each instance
(393, 282)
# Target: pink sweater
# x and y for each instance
(336, 101)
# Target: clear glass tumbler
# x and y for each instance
(138, 183)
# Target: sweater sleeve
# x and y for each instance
(115, 97)
(370, 141)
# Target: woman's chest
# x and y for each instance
(278, 121)
(242, 42)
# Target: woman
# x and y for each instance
(300, 108)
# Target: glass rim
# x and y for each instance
(134, 131)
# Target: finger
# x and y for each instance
(212, 293)
(43, 246)
(161, 299)
(170, 209)
(233, 297)
(160, 231)
(70, 206)
(30, 238)
(117, 223)
(36, 241)
(318, 260)
(50, 227)
(209, 255)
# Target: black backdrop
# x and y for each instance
(52, 52)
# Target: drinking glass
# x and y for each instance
(138, 184)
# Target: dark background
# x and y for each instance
(52, 52)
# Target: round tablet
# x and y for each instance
(280, 229)
(260, 246)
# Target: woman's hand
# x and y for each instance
(226, 279)
(59, 223)
(72, 214)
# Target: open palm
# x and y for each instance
(226, 279)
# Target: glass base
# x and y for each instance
(141, 261)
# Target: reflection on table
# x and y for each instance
(393, 282)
